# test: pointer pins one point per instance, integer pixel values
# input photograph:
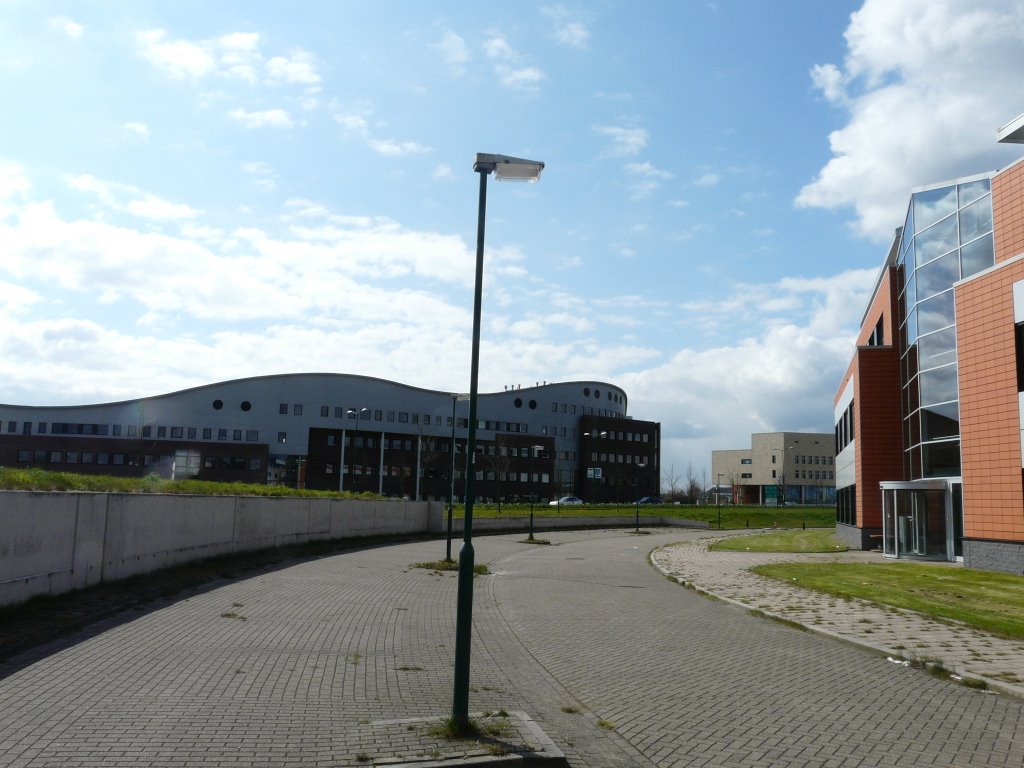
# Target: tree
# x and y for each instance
(693, 490)
(670, 482)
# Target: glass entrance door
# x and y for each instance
(914, 520)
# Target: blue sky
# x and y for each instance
(192, 192)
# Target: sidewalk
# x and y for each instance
(901, 634)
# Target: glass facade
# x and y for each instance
(947, 237)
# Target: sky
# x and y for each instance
(195, 192)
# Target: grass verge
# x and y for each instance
(815, 540)
(993, 602)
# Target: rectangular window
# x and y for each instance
(391, 415)
(222, 434)
(178, 432)
(325, 410)
(746, 475)
(282, 437)
(236, 435)
(161, 431)
(339, 412)
(378, 415)
(12, 426)
(132, 430)
(252, 435)
(746, 461)
(87, 458)
(147, 431)
(117, 430)
(191, 433)
(42, 428)
(207, 433)
(403, 417)
(24, 456)
(255, 464)
(297, 409)
(102, 458)
(282, 409)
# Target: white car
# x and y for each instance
(568, 501)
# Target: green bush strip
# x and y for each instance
(993, 602)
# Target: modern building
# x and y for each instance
(778, 468)
(928, 414)
(355, 433)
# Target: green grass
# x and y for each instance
(732, 517)
(815, 540)
(452, 565)
(30, 479)
(993, 602)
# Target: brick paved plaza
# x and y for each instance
(302, 666)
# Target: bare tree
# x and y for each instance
(670, 481)
(693, 488)
(500, 462)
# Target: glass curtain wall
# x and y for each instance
(947, 237)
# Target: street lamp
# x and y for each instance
(533, 456)
(341, 470)
(639, 465)
(718, 498)
(512, 169)
(451, 478)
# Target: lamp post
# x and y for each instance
(533, 456)
(512, 169)
(718, 499)
(341, 469)
(451, 478)
(639, 465)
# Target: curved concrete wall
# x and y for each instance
(56, 542)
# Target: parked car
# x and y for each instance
(565, 501)
(650, 500)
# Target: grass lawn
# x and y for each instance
(732, 517)
(993, 602)
(817, 540)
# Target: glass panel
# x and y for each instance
(938, 348)
(972, 190)
(938, 275)
(976, 219)
(933, 205)
(912, 366)
(889, 523)
(908, 230)
(913, 403)
(911, 327)
(977, 256)
(914, 428)
(915, 463)
(936, 241)
(942, 459)
(910, 296)
(935, 313)
(958, 520)
(939, 421)
(938, 385)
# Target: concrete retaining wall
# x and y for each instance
(1005, 556)
(56, 542)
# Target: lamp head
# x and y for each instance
(507, 168)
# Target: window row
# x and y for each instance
(618, 458)
(130, 459)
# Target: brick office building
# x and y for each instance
(928, 415)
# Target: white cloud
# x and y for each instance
(13, 181)
(390, 148)
(262, 174)
(299, 67)
(274, 118)
(178, 58)
(128, 199)
(521, 79)
(67, 26)
(567, 30)
(925, 83)
(678, 203)
(648, 170)
(138, 128)
(707, 180)
(454, 52)
(509, 69)
(444, 171)
(624, 140)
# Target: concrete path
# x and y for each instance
(311, 664)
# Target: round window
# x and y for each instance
(218, 404)
(597, 393)
(246, 405)
(518, 402)
(586, 391)
(533, 405)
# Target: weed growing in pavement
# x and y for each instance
(570, 710)
(362, 757)
(450, 565)
(608, 725)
